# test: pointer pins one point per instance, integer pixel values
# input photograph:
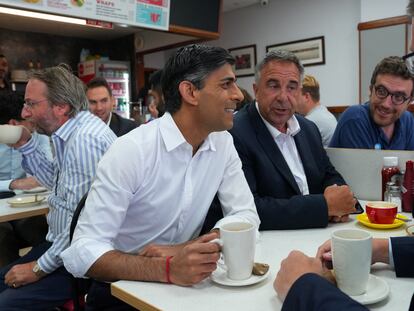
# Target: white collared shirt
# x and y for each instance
(150, 188)
(287, 146)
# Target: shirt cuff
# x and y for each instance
(29, 147)
(46, 263)
(82, 254)
(391, 263)
(5, 185)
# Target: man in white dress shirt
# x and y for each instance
(130, 229)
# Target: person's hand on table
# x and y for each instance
(292, 268)
(340, 201)
(195, 261)
(20, 275)
(24, 183)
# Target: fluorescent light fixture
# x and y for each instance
(50, 17)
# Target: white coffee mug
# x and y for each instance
(351, 258)
(10, 134)
(238, 245)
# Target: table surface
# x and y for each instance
(8, 213)
(272, 248)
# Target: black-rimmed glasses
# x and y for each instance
(397, 98)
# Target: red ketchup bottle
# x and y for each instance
(389, 169)
(407, 195)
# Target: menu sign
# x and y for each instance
(142, 13)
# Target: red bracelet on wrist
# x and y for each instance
(167, 269)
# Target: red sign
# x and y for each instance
(100, 24)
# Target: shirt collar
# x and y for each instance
(173, 137)
(66, 130)
(109, 118)
(293, 126)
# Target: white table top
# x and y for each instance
(8, 213)
(272, 248)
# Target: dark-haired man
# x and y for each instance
(156, 105)
(383, 122)
(187, 149)
(101, 103)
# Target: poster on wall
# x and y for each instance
(153, 14)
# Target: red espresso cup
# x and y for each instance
(380, 212)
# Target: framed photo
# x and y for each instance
(310, 51)
(245, 60)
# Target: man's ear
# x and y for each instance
(188, 92)
(61, 109)
(255, 89)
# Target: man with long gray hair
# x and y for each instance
(55, 102)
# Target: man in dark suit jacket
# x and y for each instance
(101, 103)
(300, 284)
(285, 164)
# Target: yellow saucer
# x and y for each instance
(363, 219)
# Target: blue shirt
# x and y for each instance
(356, 129)
(79, 145)
(11, 162)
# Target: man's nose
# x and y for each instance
(26, 112)
(237, 95)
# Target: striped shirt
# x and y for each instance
(79, 145)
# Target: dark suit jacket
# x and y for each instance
(278, 199)
(120, 125)
(312, 292)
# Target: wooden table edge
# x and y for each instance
(26, 214)
(131, 299)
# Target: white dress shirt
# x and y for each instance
(150, 188)
(287, 146)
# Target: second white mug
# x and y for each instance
(351, 258)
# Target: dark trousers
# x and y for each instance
(20, 233)
(100, 298)
(49, 292)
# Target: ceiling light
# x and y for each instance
(50, 17)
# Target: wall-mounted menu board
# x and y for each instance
(196, 16)
(142, 13)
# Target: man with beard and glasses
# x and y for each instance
(383, 122)
(56, 104)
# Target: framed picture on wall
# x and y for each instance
(310, 51)
(245, 60)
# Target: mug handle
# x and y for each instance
(220, 262)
